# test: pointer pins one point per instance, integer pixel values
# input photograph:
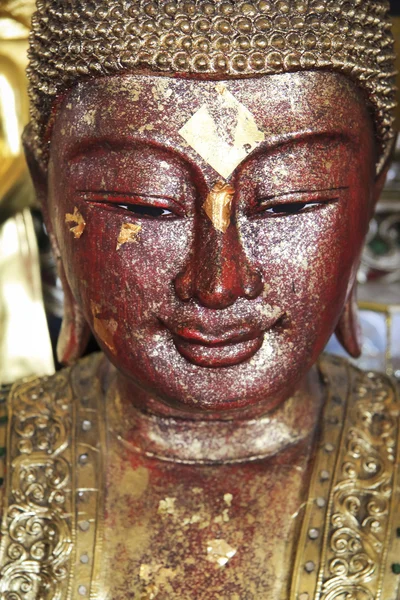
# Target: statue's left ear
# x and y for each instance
(75, 331)
(348, 330)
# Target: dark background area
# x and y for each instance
(395, 7)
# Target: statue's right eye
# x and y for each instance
(146, 211)
(140, 205)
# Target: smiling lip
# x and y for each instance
(230, 348)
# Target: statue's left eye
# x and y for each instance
(291, 208)
(146, 211)
(296, 202)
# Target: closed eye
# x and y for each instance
(140, 205)
(297, 202)
(294, 208)
(146, 211)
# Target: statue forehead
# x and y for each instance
(294, 90)
(220, 121)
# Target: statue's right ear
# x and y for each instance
(75, 331)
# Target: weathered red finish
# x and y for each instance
(182, 301)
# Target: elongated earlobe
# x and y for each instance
(348, 330)
(75, 332)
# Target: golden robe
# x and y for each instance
(342, 542)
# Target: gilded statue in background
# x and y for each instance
(208, 171)
(24, 342)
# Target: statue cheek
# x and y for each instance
(306, 263)
(125, 266)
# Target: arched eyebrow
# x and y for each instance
(293, 139)
(79, 148)
(304, 191)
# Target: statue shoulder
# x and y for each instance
(360, 386)
(29, 412)
(46, 445)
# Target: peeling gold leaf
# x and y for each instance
(104, 328)
(128, 234)
(218, 205)
(79, 220)
(228, 499)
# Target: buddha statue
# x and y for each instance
(207, 171)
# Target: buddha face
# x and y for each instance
(210, 230)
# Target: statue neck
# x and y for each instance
(180, 436)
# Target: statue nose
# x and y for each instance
(218, 271)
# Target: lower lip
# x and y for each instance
(215, 357)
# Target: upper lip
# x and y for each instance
(195, 333)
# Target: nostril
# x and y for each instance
(183, 284)
(253, 285)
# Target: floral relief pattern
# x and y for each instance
(361, 496)
(38, 523)
(348, 530)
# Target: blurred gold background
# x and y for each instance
(24, 340)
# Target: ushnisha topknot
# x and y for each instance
(72, 40)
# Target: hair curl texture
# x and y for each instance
(73, 40)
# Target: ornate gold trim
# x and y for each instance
(90, 442)
(4, 391)
(344, 543)
(54, 474)
(36, 544)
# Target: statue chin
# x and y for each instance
(208, 208)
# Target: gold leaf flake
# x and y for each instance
(128, 234)
(218, 205)
(224, 518)
(167, 506)
(219, 552)
(145, 572)
(79, 220)
(192, 520)
(104, 328)
(228, 499)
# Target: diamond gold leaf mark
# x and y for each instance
(203, 132)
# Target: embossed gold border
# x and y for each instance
(349, 559)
